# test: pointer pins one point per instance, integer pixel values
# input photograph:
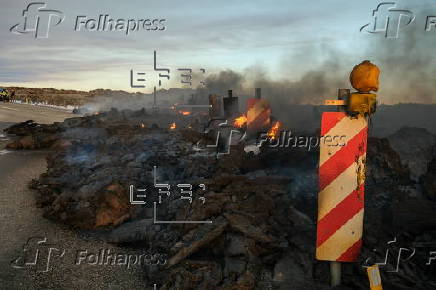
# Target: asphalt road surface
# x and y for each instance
(36, 253)
(12, 112)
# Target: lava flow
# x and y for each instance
(274, 131)
(185, 113)
(240, 121)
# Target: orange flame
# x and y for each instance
(173, 126)
(274, 130)
(185, 113)
(240, 121)
(142, 125)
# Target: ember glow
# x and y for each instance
(240, 121)
(185, 113)
(173, 126)
(274, 131)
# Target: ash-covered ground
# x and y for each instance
(262, 207)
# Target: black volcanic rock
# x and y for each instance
(429, 180)
(263, 207)
(415, 147)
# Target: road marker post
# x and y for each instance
(342, 171)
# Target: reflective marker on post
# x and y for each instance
(334, 102)
(374, 278)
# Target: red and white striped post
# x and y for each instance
(341, 189)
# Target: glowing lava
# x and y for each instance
(240, 121)
(173, 126)
(185, 113)
(274, 131)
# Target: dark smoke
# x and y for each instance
(407, 69)
(221, 82)
(311, 88)
(407, 63)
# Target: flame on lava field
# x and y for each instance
(240, 121)
(173, 126)
(185, 113)
(142, 125)
(274, 131)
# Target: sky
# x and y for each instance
(282, 40)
